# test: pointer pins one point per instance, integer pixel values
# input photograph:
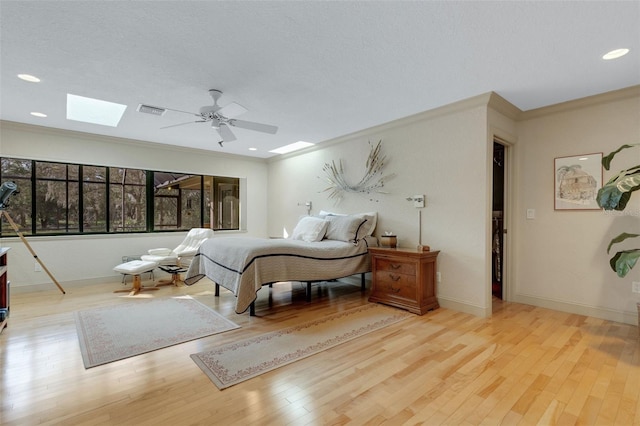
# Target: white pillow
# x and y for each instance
(343, 228)
(324, 213)
(370, 226)
(366, 229)
(310, 229)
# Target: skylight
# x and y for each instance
(291, 147)
(94, 111)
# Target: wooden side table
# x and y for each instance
(404, 278)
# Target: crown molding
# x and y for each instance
(589, 101)
(503, 106)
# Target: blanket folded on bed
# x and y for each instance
(243, 265)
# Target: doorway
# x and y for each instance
(498, 229)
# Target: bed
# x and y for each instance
(321, 248)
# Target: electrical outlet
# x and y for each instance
(37, 267)
(635, 287)
(438, 277)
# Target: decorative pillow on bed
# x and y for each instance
(343, 228)
(310, 229)
(366, 229)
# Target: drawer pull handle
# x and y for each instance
(395, 266)
(395, 277)
(395, 290)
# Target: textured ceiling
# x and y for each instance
(316, 69)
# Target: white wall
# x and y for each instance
(561, 255)
(440, 153)
(86, 258)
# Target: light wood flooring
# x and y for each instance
(525, 365)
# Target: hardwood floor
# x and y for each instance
(525, 365)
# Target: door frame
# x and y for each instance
(508, 216)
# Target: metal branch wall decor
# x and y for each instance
(372, 181)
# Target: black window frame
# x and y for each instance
(109, 228)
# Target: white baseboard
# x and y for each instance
(458, 305)
(30, 288)
(625, 317)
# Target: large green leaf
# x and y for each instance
(609, 197)
(631, 181)
(624, 261)
(615, 194)
(620, 238)
(606, 161)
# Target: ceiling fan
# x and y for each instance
(222, 118)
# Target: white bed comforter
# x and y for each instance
(243, 265)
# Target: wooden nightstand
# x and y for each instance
(404, 278)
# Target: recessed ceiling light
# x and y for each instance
(38, 114)
(253, 149)
(291, 147)
(95, 111)
(28, 77)
(614, 54)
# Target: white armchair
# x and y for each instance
(178, 260)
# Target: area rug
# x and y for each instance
(111, 333)
(235, 362)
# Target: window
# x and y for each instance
(20, 172)
(59, 198)
(94, 199)
(127, 200)
(226, 203)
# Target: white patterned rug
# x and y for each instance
(235, 362)
(121, 331)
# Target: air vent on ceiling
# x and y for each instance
(148, 109)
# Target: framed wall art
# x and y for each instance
(577, 181)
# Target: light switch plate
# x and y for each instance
(531, 213)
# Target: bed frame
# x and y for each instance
(252, 307)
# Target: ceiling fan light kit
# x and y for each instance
(221, 118)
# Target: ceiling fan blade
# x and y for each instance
(182, 124)
(232, 110)
(225, 133)
(250, 125)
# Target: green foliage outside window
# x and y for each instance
(60, 198)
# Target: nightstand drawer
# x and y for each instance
(396, 266)
(395, 285)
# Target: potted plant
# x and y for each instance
(615, 195)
